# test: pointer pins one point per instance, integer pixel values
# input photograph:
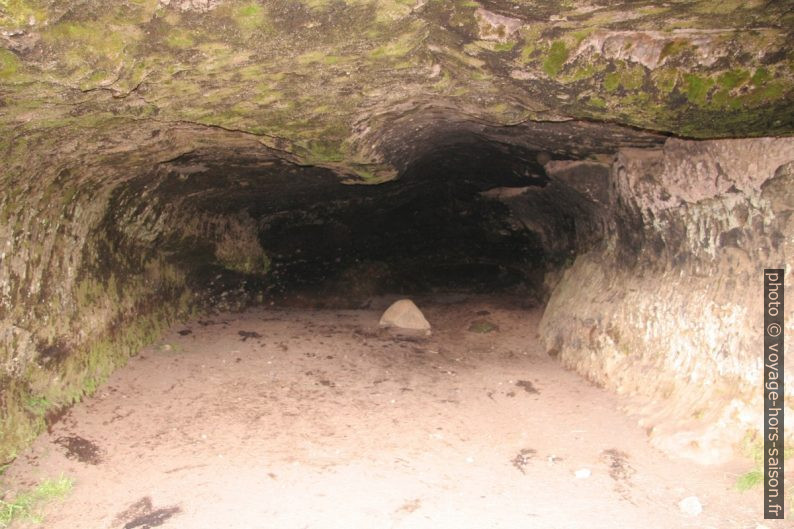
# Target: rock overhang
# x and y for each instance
(362, 88)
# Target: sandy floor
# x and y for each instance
(294, 418)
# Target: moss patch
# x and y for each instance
(674, 48)
(556, 57)
(21, 13)
(251, 16)
(760, 76)
(395, 49)
(9, 64)
(180, 39)
(697, 88)
(625, 77)
(482, 327)
(134, 317)
(733, 78)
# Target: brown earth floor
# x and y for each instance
(301, 418)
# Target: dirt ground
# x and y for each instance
(301, 418)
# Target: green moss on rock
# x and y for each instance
(697, 88)
(733, 78)
(21, 13)
(27, 401)
(624, 77)
(760, 76)
(180, 39)
(556, 57)
(9, 64)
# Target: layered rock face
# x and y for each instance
(667, 302)
(165, 157)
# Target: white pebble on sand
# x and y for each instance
(582, 473)
(691, 506)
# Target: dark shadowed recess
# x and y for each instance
(436, 226)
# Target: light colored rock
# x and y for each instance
(505, 192)
(703, 334)
(690, 506)
(582, 473)
(648, 47)
(201, 6)
(493, 26)
(404, 314)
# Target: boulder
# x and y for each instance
(405, 315)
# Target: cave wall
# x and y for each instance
(100, 253)
(109, 111)
(668, 305)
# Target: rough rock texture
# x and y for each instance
(96, 261)
(668, 303)
(153, 152)
(404, 314)
(325, 79)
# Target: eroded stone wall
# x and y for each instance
(97, 256)
(668, 305)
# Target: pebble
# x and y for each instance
(691, 506)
